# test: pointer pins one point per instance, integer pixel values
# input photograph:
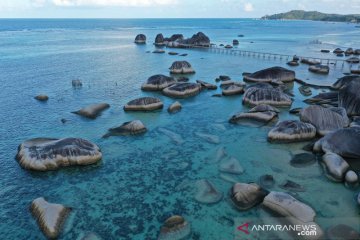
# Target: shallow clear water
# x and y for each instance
(143, 180)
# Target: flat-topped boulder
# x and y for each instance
(140, 39)
(43, 154)
(207, 85)
(182, 90)
(349, 97)
(181, 67)
(247, 195)
(343, 81)
(261, 113)
(344, 142)
(320, 69)
(264, 93)
(92, 111)
(175, 228)
(232, 89)
(144, 104)
(293, 211)
(49, 216)
(134, 127)
(272, 74)
(292, 131)
(325, 119)
(157, 83)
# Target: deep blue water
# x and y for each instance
(143, 180)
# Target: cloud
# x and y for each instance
(248, 7)
(124, 3)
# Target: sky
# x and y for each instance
(167, 8)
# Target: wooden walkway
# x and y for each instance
(274, 56)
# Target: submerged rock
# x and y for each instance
(92, 111)
(267, 181)
(76, 83)
(128, 128)
(246, 196)
(303, 160)
(208, 137)
(310, 61)
(263, 93)
(293, 63)
(344, 142)
(349, 98)
(42, 98)
(173, 136)
(325, 119)
(335, 166)
(271, 75)
(144, 104)
(292, 131)
(158, 51)
(49, 216)
(321, 69)
(140, 39)
(206, 85)
(231, 165)
(292, 186)
(342, 232)
(181, 67)
(175, 228)
(175, 107)
(157, 83)
(182, 90)
(206, 192)
(43, 154)
(232, 90)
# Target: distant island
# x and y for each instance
(314, 16)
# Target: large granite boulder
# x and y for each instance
(199, 39)
(343, 81)
(43, 154)
(344, 142)
(175, 228)
(157, 83)
(159, 40)
(349, 98)
(274, 74)
(92, 111)
(49, 216)
(232, 89)
(294, 211)
(292, 131)
(325, 119)
(140, 39)
(335, 166)
(182, 90)
(181, 67)
(144, 104)
(264, 93)
(246, 196)
(128, 128)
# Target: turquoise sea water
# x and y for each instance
(143, 180)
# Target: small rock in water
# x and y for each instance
(63, 120)
(267, 181)
(351, 179)
(231, 165)
(42, 97)
(295, 111)
(175, 107)
(128, 128)
(173, 53)
(49, 216)
(175, 228)
(206, 192)
(303, 160)
(92, 111)
(292, 186)
(209, 138)
(76, 83)
(305, 90)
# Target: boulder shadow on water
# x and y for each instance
(206, 192)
